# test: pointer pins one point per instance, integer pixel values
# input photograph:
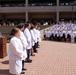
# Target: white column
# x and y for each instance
(57, 14)
(57, 2)
(26, 16)
(26, 11)
(26, 2)
(57, 17)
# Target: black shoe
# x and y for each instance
(32, 54)
(22, 73)
(37, 47)
(28, 61)
(24, 69)
(36, 52)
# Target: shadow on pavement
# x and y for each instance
(5, 62)
(4, 72)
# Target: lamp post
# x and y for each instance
(26, 11)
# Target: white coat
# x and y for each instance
(61, 33)
(28, 37)
(35, 34)
(24, 42)
(16, 56)
(44, 32)
(38, 36)
(72, 37)
(33, 37)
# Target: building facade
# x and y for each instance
(27, 10)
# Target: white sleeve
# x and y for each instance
(37, 34)
(16, 50)
(27, 35)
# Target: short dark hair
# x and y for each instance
(20, 26)
(14, 31)
(26, 25)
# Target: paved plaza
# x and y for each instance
(53, 58)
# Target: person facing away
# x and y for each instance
(16, 53)
(28, 37)
(25, 44)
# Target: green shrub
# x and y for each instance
(42, 22)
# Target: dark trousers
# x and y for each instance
(37, 44)
(58, 38)
(22, 64)
(28, 54)
(75, 39)
(34, 47)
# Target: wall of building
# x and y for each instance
(37, 12)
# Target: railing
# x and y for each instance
(12, 5)
(42, 4)
(65, 4)
(35, 4)
(31, 4)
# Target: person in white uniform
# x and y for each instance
(38, 36)
(44, 34)
(33, 39)
(28, 37)
(72, 36)
(24, 42)
(35, 34)
(16, 53)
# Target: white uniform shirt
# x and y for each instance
(35, 34)
(38, 36)
(44, 32)
(58, 34)
(16, 55)
(61, 33)
(24, 42)
(49, 33)
(33, 37)
(65, 32)
(28, 37)
(72, 36)
(23, 39)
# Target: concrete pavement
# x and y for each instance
(53, 58)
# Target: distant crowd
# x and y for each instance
(35, 4)
(64, 31)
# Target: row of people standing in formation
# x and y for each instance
(23, 43)
(61, 32)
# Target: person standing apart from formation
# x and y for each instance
(44, 34)
(25, 44)
(28, 37)
(16, 53)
